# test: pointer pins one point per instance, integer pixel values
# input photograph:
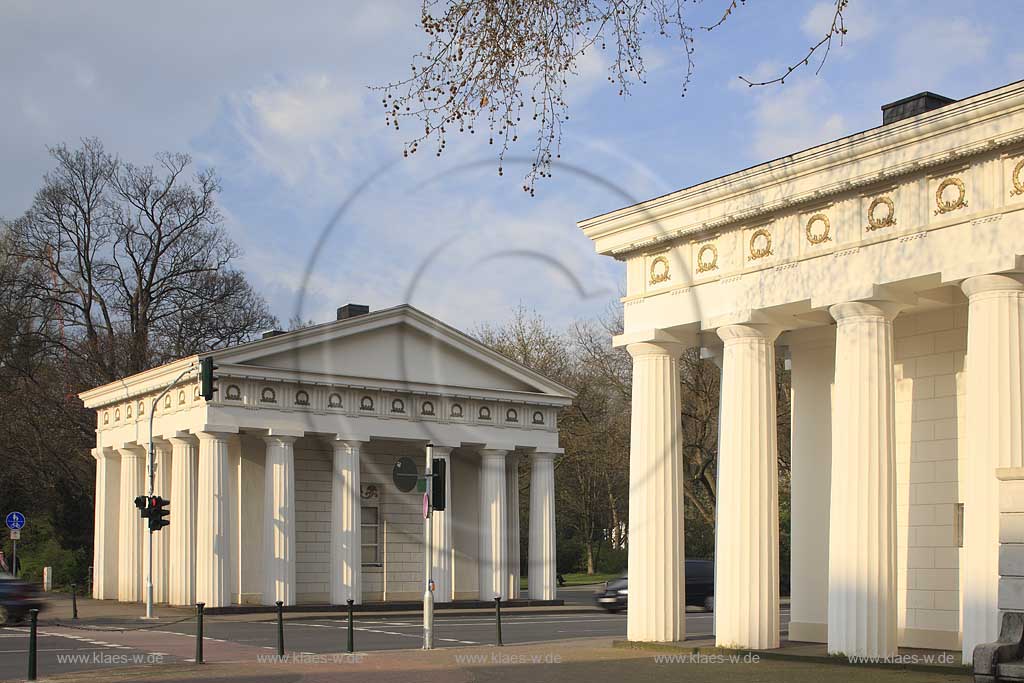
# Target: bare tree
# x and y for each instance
(489, 63)
(134, 262)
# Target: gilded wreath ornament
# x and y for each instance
(958, 203)
(704, 264)
(1018, 183)
(888, 220)
(757, 252)
(660, 270)
(822, 237)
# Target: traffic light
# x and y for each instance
(142, 502)
(438, 492)
(207, 378)
(157, 512)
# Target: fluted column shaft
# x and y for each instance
(162, 538)
(181, 568)
(442, 536)
(512, 522)
(493, 560)
(656, 558)
(213, 520)
(346, 517)
(542, 526)
(995, 413)
(129, 541)
(862, 523)
(747, 547)
(107, 529)
(279, 520)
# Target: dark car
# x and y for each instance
(17, 597)
(700, 588)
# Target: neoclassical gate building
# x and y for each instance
(280, 488)
(887, 267)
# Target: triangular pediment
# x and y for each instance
(401, 345)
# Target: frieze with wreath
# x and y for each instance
(660, 270)
(758, 252)
(815, 237)
(877, 221)
(945, 205)
(1017, 180)
(707, 258)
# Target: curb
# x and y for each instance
(832, 660)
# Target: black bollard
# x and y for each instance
(199, 632)
(74, 602)
(280, 628)
(497, 617)
(34, 616)
(351, 639)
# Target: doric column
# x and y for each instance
(862, 522)
(162, 539)
(512, 523)
(106, 529)
(493, 561)
(542, 526)
(656, 558)
(346, 535)
(213, 520)
(443, 559)
(279, 520)
(995, 419)
(181, 567)
(129, 540)
(747, 548)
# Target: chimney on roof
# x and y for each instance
(352, 310)
(271, 333)
(912, 106)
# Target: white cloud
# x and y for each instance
(860, 24)
(794, 116)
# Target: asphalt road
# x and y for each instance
(62, 649)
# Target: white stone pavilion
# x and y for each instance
(280, 488)
(888, 267)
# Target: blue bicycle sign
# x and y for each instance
(15, 520)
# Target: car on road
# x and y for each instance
(700, 588)
(17, 597)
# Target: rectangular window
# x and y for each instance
(370, 531)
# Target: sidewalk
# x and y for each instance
(584, 660)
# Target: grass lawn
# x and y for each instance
(578, 579)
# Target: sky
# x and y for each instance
(276, 96)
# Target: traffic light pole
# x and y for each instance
(151, 468)
(428, 534)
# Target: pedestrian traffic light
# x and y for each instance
(142, 502)
(438, 491)
(207, 378)
(157, 512)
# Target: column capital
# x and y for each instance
(543, 455)
(441, 451)
(182, 439)
(865, 309)
(340, 442)
(655, 348)
(132, 450)
(282, 439)
(739, 332)
(494, 452)
(983, 284)
(220, 432)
